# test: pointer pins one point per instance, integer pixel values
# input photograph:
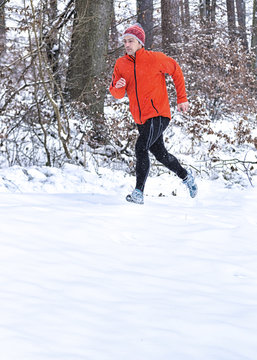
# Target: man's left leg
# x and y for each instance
(171, 162)
(148, 134)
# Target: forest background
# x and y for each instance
(56, 65)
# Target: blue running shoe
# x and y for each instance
(136, 197)
(189, 181)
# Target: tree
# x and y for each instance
(170, 25)
(114, 33)
(254, 33)
(145, 18)
(52, 41)
(207, 11)
(187, 13)
(231, 15)
(2, 27)
(184, 13)
(42, 71)
(213, 11)
(86, 80)
(240, 7)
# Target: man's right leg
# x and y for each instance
(142, 170)
(144, 141)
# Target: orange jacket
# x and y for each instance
(145, 83)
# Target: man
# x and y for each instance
(141, 74)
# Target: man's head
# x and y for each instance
(133, 38)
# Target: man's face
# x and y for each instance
(131, 45)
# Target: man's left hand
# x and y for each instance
(183, 107)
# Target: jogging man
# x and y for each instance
(141, 74)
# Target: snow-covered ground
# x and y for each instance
(85, 275)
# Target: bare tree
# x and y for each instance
(52, 40)
(45, 75)
(86, 77)
(187, 13)
(207, 11)
(231, 15)
(145, 18)
(171, 20)
(213, 11)
(203, 10)
(240, 7)
(2, 27)
(254, 33)
(114, 32)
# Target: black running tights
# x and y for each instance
(151, 139)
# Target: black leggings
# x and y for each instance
(151, 138)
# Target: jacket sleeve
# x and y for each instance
(117, 93)
(171, 67)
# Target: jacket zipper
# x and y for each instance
(154, 106)
(135, 75)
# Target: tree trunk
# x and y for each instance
(254, 33)
(145, 18)
(231, 15)
(52, 44)
(87, 58)
(240, 6)
(2, 28)
(213, 11)
(202, 8)
(187, 13)
(114, 33)
(207, 11)
(170, 26)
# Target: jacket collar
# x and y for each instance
(138, 53)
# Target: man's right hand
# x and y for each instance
(120, 83)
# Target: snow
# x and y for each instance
(85, 275)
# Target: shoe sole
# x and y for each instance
(129, 199)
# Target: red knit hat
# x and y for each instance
(137, 32)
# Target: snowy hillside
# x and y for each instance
(85, 275)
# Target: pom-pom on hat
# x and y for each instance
(137, 32)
